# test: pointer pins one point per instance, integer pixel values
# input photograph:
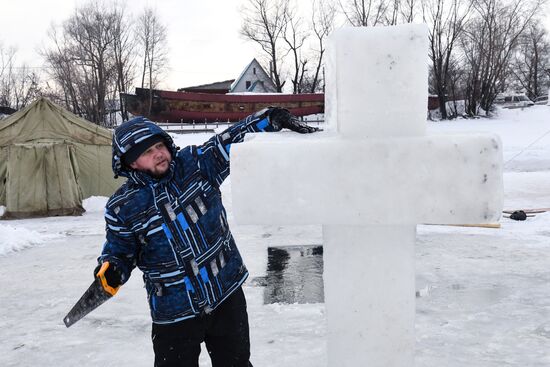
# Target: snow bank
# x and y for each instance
(95, 203)
(17, 238)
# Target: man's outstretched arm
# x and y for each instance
(281, 118)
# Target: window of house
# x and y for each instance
(248, 83)
(254, 71)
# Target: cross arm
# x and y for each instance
(431, 179)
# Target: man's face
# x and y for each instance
(155, 160)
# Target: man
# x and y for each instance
(169, 221)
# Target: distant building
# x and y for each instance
(253, 79)
(213, 88)
(433, 102)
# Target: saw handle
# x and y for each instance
(103, 280)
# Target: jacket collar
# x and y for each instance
(141, 178)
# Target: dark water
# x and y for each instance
(294, 275)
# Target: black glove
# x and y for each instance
(113, 275)
(281, 118)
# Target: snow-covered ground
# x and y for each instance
(484, 294)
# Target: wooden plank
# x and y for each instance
(481, 225)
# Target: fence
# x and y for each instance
(206, 127)
(209, 127)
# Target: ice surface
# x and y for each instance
(294, 274)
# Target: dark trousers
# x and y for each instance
(224, 331)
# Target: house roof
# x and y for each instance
(261, 69)
(223, 85)
(228, 85)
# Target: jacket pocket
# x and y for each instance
(168, 303)
(171, 298)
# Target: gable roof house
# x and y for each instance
(253, 79)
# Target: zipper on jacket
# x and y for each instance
(189, 264)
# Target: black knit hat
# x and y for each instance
(133, 154)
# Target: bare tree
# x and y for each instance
(407, 10)
(489, 42)
(19, 85)
(532, 60)
(26, 87)
(392, 12)
(81, 59)
(322, 23)
(264, 22)
(455, 87)
(90, 59)
(63, 71)
(295, 37)
(363, 13)
(124, 45)
(91, 30)
(152, 38)
(446, 19)
(7, 65)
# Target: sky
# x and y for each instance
(203, 36)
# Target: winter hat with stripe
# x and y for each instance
(133, 154)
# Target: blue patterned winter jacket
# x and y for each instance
(174, 229)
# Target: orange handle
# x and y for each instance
(101, 275)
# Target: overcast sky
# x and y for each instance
(203, 35)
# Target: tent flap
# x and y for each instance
(3, 170)
(41, 181)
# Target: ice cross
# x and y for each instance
(369, 183)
